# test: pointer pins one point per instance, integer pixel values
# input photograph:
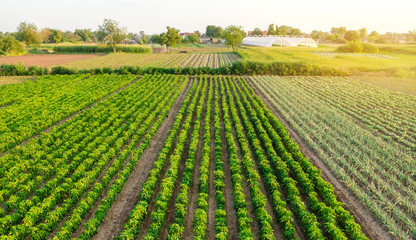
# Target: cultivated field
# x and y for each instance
(212, 60)
(393, 60)
(193, 157)
(45, 60)
(365, 134)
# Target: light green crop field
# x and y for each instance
(364, 133)
(14, 79)
(213, 60)
(406, 85)
(393, 60)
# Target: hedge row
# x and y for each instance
(99, 49)
(238, 68)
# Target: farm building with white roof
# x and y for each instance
(283, 41)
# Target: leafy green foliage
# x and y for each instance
(10, 46)
(233, 36)
(214, 31)
(112, 33)
(358, 47)
(86, 35)
(99, 49)
(352, 35)
(171, 38)
(28, 33)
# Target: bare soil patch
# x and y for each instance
(45, 60)
(371, 226)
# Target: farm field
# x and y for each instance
(192, 157)
(172, 60)
(14, 79)
(45, 60)
(364, 133)
(394, 61)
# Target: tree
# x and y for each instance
(113, 33)
(156, 39)
(70, 36)
(171, 37)
(10, 46)
(44, 35)
(233, 36)
(278, 31)
(56, 36)
(143, 38)
(412, 35)
(191, 39)
(28, 33)
(352, 35)
(317, 35)
(270, 30)
(340, 31)
(85, 34)
(363, 32)
(214, 31)
(257, 32)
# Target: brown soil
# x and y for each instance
(119, 212)
(371, 225)
(45, 60)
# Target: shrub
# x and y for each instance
(358, 47)
(10, 46)
(368, 48)
(351, 47)
(99, 49)
(59, 70)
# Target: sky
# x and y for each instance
(152, 16)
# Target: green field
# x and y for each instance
(366, 134)
(192, 157)
(173, 60)
(399, 61)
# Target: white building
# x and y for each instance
(283, 41)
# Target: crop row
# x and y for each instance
(22, 120)
(361, 159)
(88, 166)
(133, 226)
(387, 112)
(11, 93)
(305, 173)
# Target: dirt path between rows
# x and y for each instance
(371, 225)
(119, 212)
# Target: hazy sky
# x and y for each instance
(153, 16)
